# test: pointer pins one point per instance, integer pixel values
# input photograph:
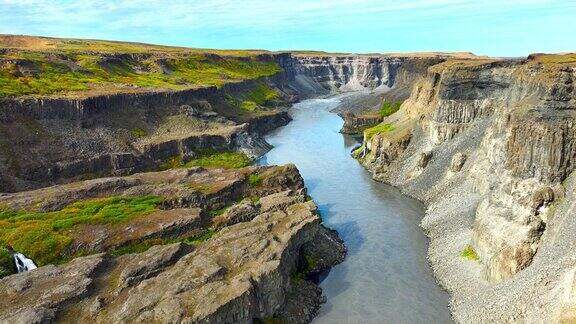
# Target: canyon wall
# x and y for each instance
(54, 139)
(489, 145)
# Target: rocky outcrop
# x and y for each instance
(356, 124)
(251, 268)
(490, 143)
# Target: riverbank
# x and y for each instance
(386, 273)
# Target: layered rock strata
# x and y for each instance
(488, 144)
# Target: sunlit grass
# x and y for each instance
(78, 71)
(378, 129)
(44, 236)
(388, 108)
(226, 160)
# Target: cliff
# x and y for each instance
(73, 110)
(120, 108)
(213, 247)
(488, 144)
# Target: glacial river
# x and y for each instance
(385, 277)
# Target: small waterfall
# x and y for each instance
(23, 263)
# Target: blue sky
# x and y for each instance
(498, 28)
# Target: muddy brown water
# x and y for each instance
(385, 277)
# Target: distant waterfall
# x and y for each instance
(23, 263)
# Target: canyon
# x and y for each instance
(486, 143)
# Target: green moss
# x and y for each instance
(214, 159)
(7, 266)
(378, 129)
(143, 246)
(205, 188)
(261, 94)
(200, 238)
(138, 132)
(217, 212)
(470, 254)
(388, 108)
(172, 163)
(248, 105)
(311, 263)
(358, 152)
(138, 247)
(44, 236)
(297, 277)
(254, 180)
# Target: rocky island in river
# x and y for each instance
(127, 178)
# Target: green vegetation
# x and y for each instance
(143, 246)
(378, 129)
(297, 277)
(217, 212)
(172, 162)
(44, 236)
(470, 254)
(260, 95)
(358, 152)
(56, 71)
(202, 237)
(254, 180)
(138, 132)
(138, 247)
(6, 263)
(205, 188)
(209, 159)
(388, 108)
(311, 262)
(248, 105)
(226, 160)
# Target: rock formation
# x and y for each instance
(488, 144)
(245, 271)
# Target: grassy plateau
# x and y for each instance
(44, 236)
(44, 66)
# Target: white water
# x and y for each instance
(385, 277)
(23, 263)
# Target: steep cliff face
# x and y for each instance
(324, 74)
(348, 72)
(487, 143)
(47, 141)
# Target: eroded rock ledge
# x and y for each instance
(255, 265)
(489, 146)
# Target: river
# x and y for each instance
(385, 277)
